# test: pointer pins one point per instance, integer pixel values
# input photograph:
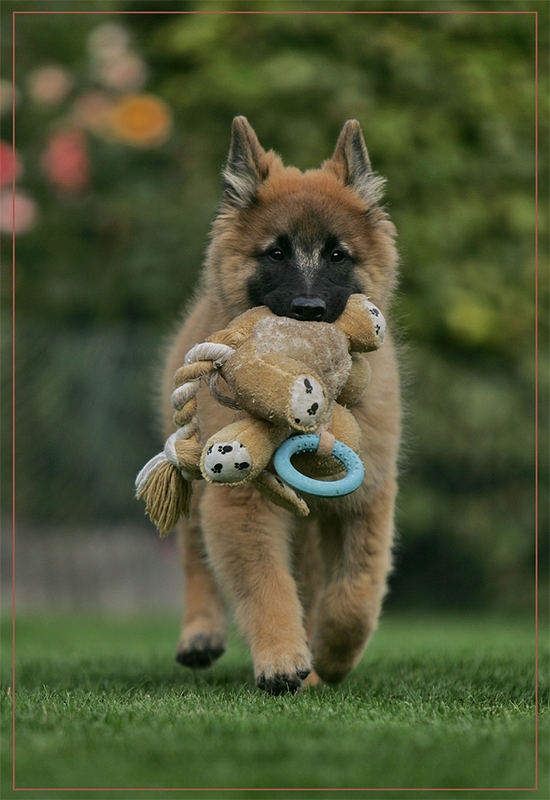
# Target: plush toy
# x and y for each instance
(284, 377)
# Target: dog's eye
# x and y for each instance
(276, 254)
(337, 256)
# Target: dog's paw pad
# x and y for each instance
(227, 462)
(280, 683)
(307, 401)
(284, 677)
(200, 651)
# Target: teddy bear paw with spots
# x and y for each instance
(226, 462)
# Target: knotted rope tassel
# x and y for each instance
(165, 481)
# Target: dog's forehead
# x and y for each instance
(309, 222)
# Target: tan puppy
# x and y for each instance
(306, 594)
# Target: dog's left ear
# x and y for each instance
(246, 165)
(350, 161)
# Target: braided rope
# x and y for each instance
(203, 360)
(165, 480)
(209, 351)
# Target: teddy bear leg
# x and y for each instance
(280, 493)
(307, 401)
(277, 388)
(240, 451)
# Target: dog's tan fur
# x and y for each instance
(305, 594)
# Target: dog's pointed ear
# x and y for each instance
(351, 162)
(246, 165)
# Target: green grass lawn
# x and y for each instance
(435, 703)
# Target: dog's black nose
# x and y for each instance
(308, 308)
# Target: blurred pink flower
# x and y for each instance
(49, 85)
(25, 212)
(10, 167)
(126, 72)
(66, 161)
(108, 40)
(92, 111)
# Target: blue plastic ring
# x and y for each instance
(308, 443)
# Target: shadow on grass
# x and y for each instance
(128, 676)
(461, 662)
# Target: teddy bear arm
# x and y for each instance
(241, 328)
(357, 382)
(363, 323)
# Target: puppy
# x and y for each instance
(306, 594)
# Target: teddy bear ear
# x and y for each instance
(351, 163)
(246, 165)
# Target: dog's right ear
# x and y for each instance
(351, 163)
(246, 165)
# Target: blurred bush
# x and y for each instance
(122, 126)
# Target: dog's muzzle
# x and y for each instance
(312, 309)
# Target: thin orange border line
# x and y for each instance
(281, 789)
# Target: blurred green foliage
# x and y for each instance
(447, 104)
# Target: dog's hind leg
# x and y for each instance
(357, 556)
(247, 541)
(203, 634)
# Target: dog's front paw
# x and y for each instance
(201, 650)
(283, 675)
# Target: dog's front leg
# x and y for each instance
(247, 543)
(203, 634)
(357, 556)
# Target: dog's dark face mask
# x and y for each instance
(307, 278)
(306, 241)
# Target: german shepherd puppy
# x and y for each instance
(306, 594)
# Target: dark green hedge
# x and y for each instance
(447, 104)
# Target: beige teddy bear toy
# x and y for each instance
(284, 376)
